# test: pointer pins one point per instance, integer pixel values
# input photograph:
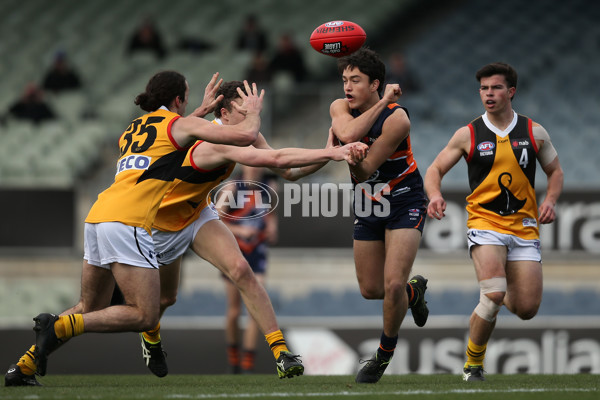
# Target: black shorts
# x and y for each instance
(408, 213)
(258, 259)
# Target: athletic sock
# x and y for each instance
(387, 345)
(276, 342)
(68, 326)
(27, 362)
(233, 355)
(153, 336)
(475, 353)
(248, 357)
(411, 295)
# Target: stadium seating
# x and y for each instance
(94, 36)
(551, 44)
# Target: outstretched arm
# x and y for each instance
(187, 129)
(209, 156)
(293, 174)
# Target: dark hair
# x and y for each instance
(229, 92)
(161, 89)
(498, 68)
(368, 62)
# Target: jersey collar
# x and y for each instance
(499, 132)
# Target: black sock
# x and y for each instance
(387, 345)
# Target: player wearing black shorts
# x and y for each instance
(390, 204)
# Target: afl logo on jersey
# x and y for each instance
(485, 146)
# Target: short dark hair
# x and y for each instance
(368, 62)
(229, 92)
(498, 68)
(161, 89)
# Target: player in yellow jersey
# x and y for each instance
(118, 246)
(500, 148)
(186, 219)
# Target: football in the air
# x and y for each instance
(338, 38)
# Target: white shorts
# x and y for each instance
(171, 245)
(518, 249)
(109, 242)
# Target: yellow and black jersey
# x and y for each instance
(501, 172)
(189, 194)
(149, 159)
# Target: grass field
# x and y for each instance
(447, 387)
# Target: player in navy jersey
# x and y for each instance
(390, 203)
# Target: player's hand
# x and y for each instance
(392, 92)
(546, 211)
(209, 102)
(355, 152)
(252, 102)
(436, 207)
(332, 140)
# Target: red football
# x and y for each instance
(338, 38)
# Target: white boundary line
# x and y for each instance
(365, 394)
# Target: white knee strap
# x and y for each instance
(486, 308)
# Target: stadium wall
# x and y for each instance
(318, 216)
(541, 346)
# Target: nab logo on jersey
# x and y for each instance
(231, 198)
(134, 161)
(519, 144)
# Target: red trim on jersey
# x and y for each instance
(196, 167)
(530, 130)
(472, 150)
(391, 184)
(173, 141)
(399, 154)
(248, 247)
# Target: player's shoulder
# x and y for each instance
(340, 104)
(462, 138)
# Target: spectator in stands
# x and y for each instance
(194, 44)
(147, 38)
(31, 105)
(288, 58)
(398, 72)
(501, 148)
(61, 76)
(252, 36)
(258, 71)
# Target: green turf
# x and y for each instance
(447, 387)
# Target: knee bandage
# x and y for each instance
(486, 308)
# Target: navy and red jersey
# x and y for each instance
(399, 173)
